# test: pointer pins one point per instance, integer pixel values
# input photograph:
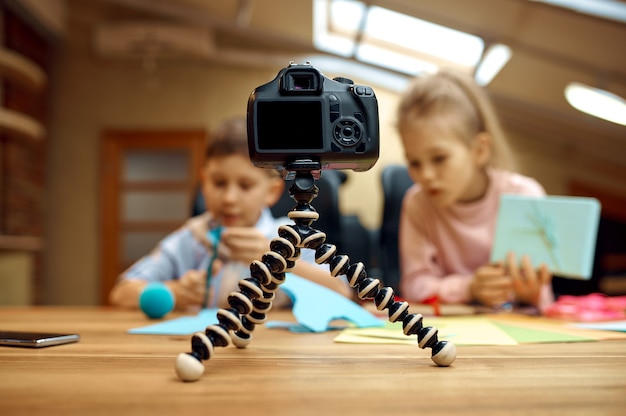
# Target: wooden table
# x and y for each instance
(110, 372)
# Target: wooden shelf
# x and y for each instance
(21, 124)
(22, 69)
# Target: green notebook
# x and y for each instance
(559, 231)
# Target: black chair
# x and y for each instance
(356, 241)
(395, 182)
(197, 205)
(344, 231)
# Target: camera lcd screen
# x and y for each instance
(288, 126)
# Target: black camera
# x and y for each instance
(301, 118)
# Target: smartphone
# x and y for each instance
(35, 339)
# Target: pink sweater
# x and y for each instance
(441, 249)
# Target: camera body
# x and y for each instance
(301, 116)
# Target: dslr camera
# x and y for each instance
(302, 120)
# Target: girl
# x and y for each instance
(460, 163)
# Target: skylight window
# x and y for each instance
(392, 40)
(386, 47)
(496, 56)
(385, 29)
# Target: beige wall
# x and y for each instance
(16, 271)
(91, 94)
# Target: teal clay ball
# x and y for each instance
(156, 300)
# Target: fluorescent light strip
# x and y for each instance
(606, 9)
(596, 102)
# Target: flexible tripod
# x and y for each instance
(250, 305)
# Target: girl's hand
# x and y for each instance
(245, 244)
(527, 281)
(491, 286)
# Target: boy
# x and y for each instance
(238, 196)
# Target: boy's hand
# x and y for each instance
(527, 281)
(189, 290)
(491, 286)
(245, 243)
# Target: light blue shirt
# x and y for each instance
(183, 250)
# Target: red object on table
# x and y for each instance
(434, 302)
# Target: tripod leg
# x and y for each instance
(250, 305)
(443, 352)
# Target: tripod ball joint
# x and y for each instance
(444, 353)
(188, 367)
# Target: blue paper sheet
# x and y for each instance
(606, 326)
(180, 326)
(314, 307)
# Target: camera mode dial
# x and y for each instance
(343, 80)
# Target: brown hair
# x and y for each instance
(229, 138)
(450, 92)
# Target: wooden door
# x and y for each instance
(148, 184)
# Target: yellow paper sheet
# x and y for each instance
(470, 330)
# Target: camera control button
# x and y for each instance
(347, 132)
(364, 91)
(334, 107)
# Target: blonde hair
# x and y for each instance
(449, 92)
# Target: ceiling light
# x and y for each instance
(596, 102)
(606, 9)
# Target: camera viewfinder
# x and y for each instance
(302, 82)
